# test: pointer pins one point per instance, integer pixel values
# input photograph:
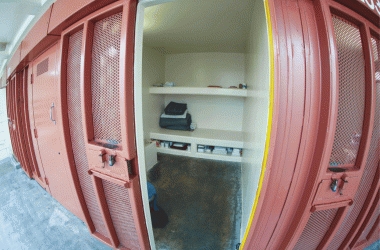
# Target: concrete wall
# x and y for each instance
(203, 69)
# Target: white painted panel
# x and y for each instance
(5, 141)
(150, 155)
(203, 69)
(199, 91)
(153, 72)
(256, 110)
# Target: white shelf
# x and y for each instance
(219, 157)
(198, 91)
(173, 151)
(211, 137)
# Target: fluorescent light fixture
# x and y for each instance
(23, 27)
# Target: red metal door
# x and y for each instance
(29, 146)
(21, 124)
(17, 124)
(12, 119)
(47, 124)
(347, 168)
(97, 101)
(321, 200)
(32, 128)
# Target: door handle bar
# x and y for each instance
(51, 117)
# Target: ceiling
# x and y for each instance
(16, 19)
(198, 26)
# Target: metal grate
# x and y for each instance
(121, 213)
(105, 79)
(316, 228)
(351, 93)
(43, 67)
(369, 170)
(76, 130)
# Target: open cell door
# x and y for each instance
(97, 108)
(345, 173)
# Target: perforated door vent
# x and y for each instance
(351, 92)
(120, 208)
(370, 167)
(316, 228)
(43, 67)
(76, 130)
(105, 79)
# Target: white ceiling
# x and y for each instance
(13, 14)
(198, 26)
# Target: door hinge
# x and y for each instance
(35, 133)
(31, 79)
(46, 181)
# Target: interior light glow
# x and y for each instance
(43, 2)
(23, 27)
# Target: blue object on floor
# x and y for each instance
(152, 194)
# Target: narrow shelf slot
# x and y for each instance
(223, 138)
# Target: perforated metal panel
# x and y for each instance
(369, 170)
(121, 213)
(351, 93)
(76, 130)
(43, 67)
(105, 79)
(316, 228)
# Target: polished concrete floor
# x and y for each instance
(30, 219)
(202, 199)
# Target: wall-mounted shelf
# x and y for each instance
(211, 137)
(198, 91)
(222, 138)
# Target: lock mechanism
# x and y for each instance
(334, 185)
(102, 158)
(342, 186)
(111, 160)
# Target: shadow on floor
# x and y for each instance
(203, 201)
(31, 219)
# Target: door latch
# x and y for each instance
(334, 185)
(111, 160)
(342, 186)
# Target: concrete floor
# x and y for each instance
(31, 219)
(203, 201)
(196, 194)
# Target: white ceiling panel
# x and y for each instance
(198, 25)
(13, 14)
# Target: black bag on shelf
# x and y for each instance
(175, 108)
(176, 123)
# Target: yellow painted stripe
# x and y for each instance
(271, 55)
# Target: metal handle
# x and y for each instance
(51, 117)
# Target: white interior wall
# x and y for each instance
(213, 112)
(203, 69)
(153, 68)
(256, 110)
(5, 141)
